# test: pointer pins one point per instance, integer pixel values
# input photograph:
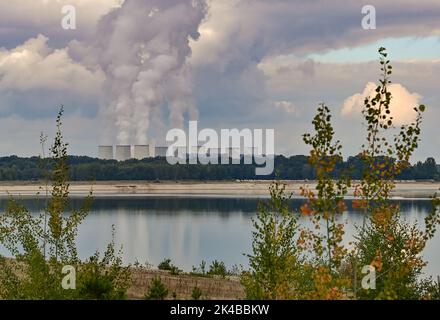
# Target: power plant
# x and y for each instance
(123, 152)
(141, 151)
(105, 152)
(250, 151)
(231, 152)
(160, 151)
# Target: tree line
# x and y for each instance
(296, 167)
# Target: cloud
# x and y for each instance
(286, 106)
(251, 53)
(34, 65)
(242, 30)
(35, 79)
(332, 83)
(402, 105)
(24, 19)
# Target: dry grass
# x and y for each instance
(183, 285)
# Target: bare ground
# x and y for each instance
(254, 188)
(183, 284)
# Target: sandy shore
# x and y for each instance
(184, 188)
(183, 284)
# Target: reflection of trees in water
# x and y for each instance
(168, 205)
(31, 204)
(420, 206)
(171, 206)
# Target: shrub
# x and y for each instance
(157, 290)
(201, 270)
(104, 278)
(168, 266)
(217, 268)
(42, 245)
(274, 262)
(196, 293)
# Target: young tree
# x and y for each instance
(326, 250)
(385, 241)
(157, 290)
(42, 245)
(309, 263)
(275, 260)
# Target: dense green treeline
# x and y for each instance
(293, 168)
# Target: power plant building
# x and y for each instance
(233, 153)
(141, 152)
(194, 151)
(123, 152)
(160, 151)
(180, 152)
(105, 152)
(250, 151)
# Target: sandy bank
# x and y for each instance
(184, 188)
(183, 284)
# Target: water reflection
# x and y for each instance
(190, 230)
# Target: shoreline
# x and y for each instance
(234, 189)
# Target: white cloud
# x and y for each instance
(287, 106)
(239, 31)
(22, 19)
(34, 65)
(402, 102)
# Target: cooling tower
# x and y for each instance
(214, 152)
(123, 152)
(250, 151)
(141, 151)
(193, 152)
(233, 153)
(160, 151)
(181, 152)
(105, 152)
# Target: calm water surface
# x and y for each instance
(189, 230)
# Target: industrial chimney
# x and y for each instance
(123, 152)
(141, 151)
(160, 151)
(105, 152)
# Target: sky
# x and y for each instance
(131, 70)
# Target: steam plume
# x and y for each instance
(143, 49)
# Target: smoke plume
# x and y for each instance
(143, 49)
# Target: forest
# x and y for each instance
(297, 167)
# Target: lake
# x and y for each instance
(190, 229)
